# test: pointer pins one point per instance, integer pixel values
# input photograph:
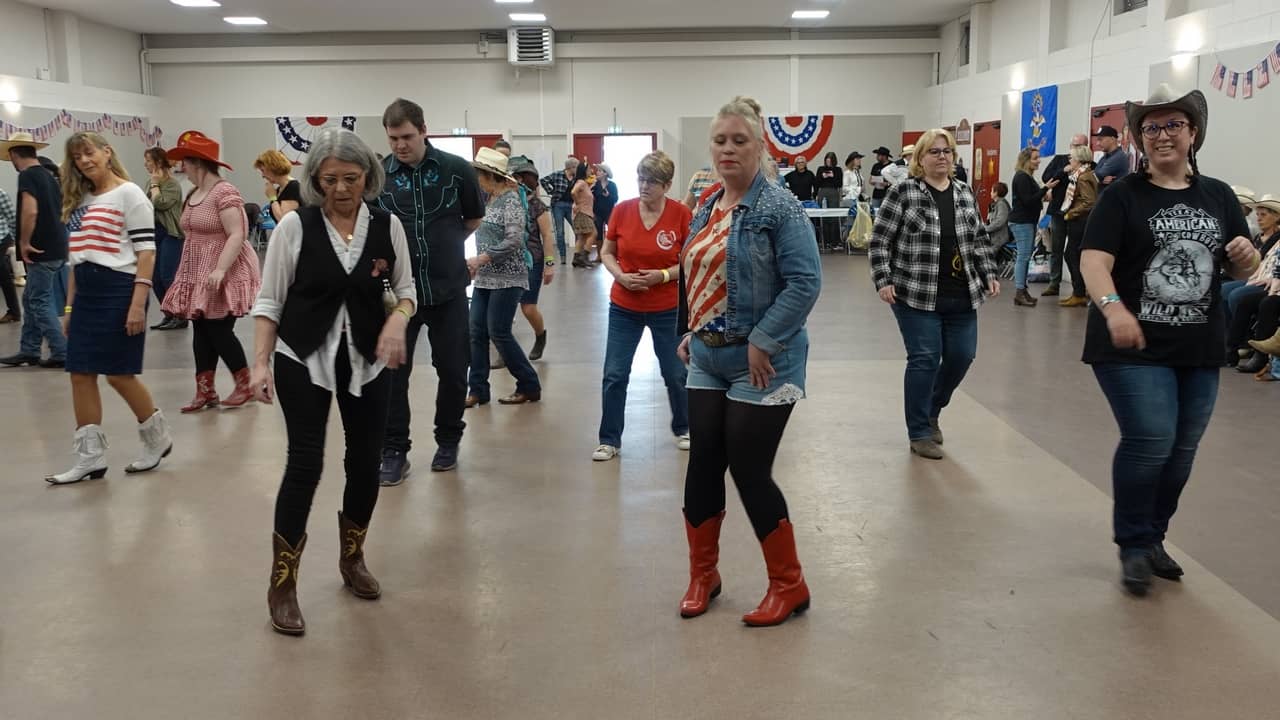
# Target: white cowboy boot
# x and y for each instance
(156, 443)
(89, 446)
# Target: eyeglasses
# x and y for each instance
(642, 180)
(1173, 129)
(330, 181)
(941, 152)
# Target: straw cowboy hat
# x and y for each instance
(492, 161)
(1164, 98)
(1245, 196)
(19, 139)
(195, 144)
(1270, 202)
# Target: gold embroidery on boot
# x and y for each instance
(284, 565)
(355, 539)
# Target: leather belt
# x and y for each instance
(717, 339)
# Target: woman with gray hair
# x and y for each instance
(334, 328)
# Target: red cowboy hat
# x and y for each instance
(194, 143)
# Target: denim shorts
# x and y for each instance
(725, 368)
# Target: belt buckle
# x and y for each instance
(713, 339)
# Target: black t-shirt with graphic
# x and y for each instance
(1169, 248)
(952, 281)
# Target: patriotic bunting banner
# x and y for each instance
(1246, 83)
(64, 120)
(796, 136)
(294, 134)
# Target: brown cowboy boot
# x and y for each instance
(355, 575)
(282, 594)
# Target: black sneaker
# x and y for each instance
(394, 468)
(1163, 566)
(19, 360)
(446, 458)
(1135, 569)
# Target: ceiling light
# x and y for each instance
(810, 14)
(196, 3)
(512, 2)
(245, 20)
(528, 17)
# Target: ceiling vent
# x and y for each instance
(531, 46)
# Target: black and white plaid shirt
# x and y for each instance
(557, 187)
(907, 241)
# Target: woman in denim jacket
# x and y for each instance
(750, 274)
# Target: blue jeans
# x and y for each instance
(941, 345)
(1162, 413)
(1233, 291)
(492, 312)
(42, 302)
(625, 330)
(561, 212)
(168, 253)
(1024, 234)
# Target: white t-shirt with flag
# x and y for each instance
(112, 228)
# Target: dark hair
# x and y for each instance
(500, 143)
(404, 111)
(1001, 189)
(830, 159)
(25, 152)
(158, 158)
(51, 166)
(850, 157)
(208, 166)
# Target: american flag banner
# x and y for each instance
(1264, 75)
(1234, 85)
(1275, 59)
(1248, 85)
(1219, 75)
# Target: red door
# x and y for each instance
(479, 141)
(985, 170)
(910, 137)
(589, 147)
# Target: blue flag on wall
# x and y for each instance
(1040, 119)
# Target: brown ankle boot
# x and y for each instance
(1024, 299)
(206, 395)
(355, 575)
(787, 592)
(704, 556)
(282, 593)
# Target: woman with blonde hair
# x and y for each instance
(218, 277)
(1077, 203)
(932, 262)
(749, 276)
(283, 193)
(112, 255)
(1027, 203)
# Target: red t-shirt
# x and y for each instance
(654, 248)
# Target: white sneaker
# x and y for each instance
(89, 447)
(605, 452)
(156, 444)
(682, 442)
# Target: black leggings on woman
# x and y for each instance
(306, 414)
(213, 339)
(1075, 236)
(742, 438)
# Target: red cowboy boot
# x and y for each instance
(787, 592)
(206, 395)
(243, 393)
(704, 555)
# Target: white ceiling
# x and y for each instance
(302, 16)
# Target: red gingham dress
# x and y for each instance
(189, 296)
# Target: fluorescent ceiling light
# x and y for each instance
(528, 17)
(810, 14)
(196, 3)
(245, 20)
(512, 2)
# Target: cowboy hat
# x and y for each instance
(882, 150)
(1244, 195)
(19, 139)
(195, 144)
(521, 164)
(908, 149)
(492, 161)
(1270, 202)
(1192, 103)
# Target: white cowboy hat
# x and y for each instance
(1245, 196)
(1270, 202)
(19, 139)
(492, 161)
(1192, 103)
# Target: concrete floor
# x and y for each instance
(533, 583)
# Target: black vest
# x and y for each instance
(321, 285)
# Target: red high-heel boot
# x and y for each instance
(787, 592)
(206, 395)
(243, 393)
(704, 556)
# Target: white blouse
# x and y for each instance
(278, 272)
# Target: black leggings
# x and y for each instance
(742, 438)
(1075, 236)
(1242, 320)
(306, 413)
(213, 339)
(1268, 318)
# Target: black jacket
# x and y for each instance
(1057, 169)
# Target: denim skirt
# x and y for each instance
(97, 343)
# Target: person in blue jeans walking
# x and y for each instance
(42, 245)
(642, 252)
(932, 261)
(500, 272)
(558, 186)
(1028, 201)
(166, 197)
(1154, 252)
